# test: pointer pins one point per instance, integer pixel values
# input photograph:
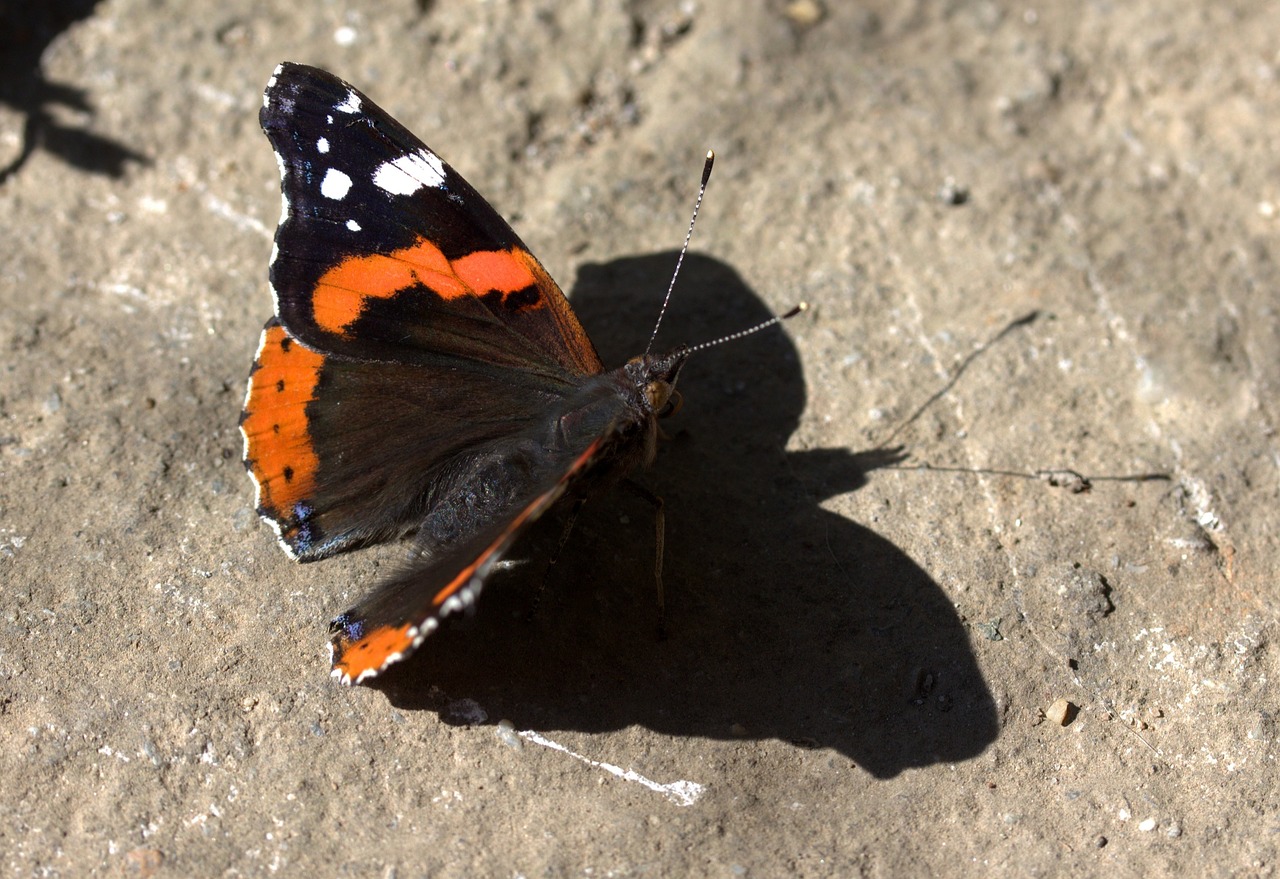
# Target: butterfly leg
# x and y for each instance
(660, 541)
(570, 520)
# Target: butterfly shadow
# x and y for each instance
(784, 620)
(26, 30)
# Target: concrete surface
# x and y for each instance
(865, 654)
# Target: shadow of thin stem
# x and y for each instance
(1025, 320)
(1060, 477)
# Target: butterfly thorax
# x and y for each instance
(622, 408)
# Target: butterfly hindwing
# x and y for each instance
(346, 453)
(389, 623)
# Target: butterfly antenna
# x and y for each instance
(702, 190)
(776, 319)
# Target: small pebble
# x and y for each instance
(1061, 712)
(991, 630)
(464, 712)
(1147, 825)
(953, 193)
(508, 736)
(805, 13)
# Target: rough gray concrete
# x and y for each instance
(862, 652)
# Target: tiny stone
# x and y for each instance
(953, 193)
(464, 712)
(1061, 712)
(1147, 825)
(991, 630)
(508, 736)
(805, 13)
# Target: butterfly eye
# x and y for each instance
(674, 402)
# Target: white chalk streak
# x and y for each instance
(682, 793)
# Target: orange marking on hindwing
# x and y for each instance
(278, 445)
(370, 652)
(344, 291)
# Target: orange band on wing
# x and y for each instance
(371, 652)
(344, 291)
(278, 446)
(503, 270)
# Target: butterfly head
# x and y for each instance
(654, 377)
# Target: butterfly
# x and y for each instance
(422, 376)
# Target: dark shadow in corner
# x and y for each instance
(785, 621)
(26, 30)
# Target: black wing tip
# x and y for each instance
(289, 74)
(290, 82)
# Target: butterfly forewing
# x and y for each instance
(384, 252)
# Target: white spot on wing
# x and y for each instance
(350, 105)
(409, 173)
(335, 185)
(463, 598)
(284, 199)
(353, 225)
(322, 145)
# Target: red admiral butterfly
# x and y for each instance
(423, 374)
